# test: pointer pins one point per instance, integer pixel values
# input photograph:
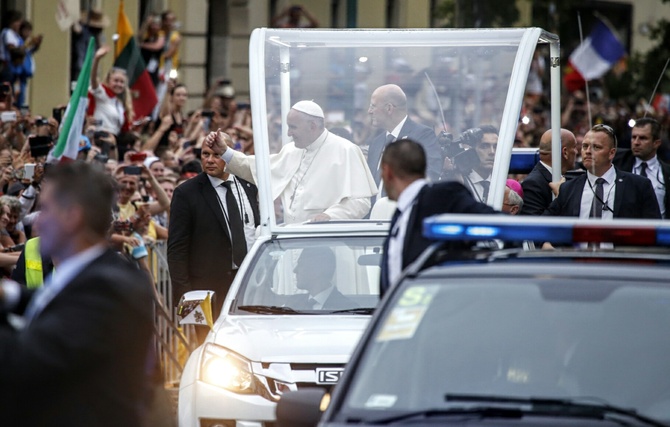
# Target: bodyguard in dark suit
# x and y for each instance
(642, 159)
(81, 357)
(404, 172)
(537, 195)
(208, 218)
(388, 111)
(604, 191)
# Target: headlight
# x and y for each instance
(223, 368)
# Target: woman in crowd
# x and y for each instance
(110, 102)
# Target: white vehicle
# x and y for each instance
(267, 341)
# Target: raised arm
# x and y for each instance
(94, 67)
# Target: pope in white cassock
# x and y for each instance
(319, 176)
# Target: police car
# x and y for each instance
(573, 336)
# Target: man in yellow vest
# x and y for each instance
(31, 269)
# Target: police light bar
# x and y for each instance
(509, 228)
(523, 160)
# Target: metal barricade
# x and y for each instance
(172, 345)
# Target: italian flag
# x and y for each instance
(72, 126)
(127, 56)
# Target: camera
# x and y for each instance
(463, 159)
(99, 134)
(207, 113)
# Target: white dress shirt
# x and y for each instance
(655, 175)
(243, 204)
(609, 192)
(406, 201)
(476, 185)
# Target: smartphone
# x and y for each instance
(197, 152)
(8, 116)
(57, 113)
(40, 145)
(29, 171)
(243, 106)
(25, 110)
(138, 157)
(207, 113)
(132, 170)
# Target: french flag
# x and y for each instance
(594, 56)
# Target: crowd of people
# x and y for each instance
(188, 177)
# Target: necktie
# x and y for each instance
(598, 203)
(389, 138)
(238, 243)
(384, 284)
(311, 302)
(485, 193)
(643, 169)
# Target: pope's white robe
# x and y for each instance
(329, 176)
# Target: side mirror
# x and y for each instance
(195, 308)
(301, 408)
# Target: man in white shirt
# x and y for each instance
(537, 193)
(604, 191)
(86, 335)
(319, 176)
(478, 180)
(642, 159)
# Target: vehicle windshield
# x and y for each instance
(367, 82)
(313, 275)
(602, 341)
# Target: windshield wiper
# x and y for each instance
(271, 309)
(483, 412)
(586, 407)
(359, 310)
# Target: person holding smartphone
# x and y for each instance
(128, 178)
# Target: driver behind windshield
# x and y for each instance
(314, 273)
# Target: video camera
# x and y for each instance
(459, 150)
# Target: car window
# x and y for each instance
(605, 340)
(315, 274)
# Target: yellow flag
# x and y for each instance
(207, 310)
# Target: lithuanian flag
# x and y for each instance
(127, 56)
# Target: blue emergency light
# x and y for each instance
(562, 231)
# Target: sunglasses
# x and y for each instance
(608, 130)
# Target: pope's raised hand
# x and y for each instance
(214, 140)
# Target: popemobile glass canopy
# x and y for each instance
(465, 85)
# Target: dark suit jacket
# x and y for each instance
(416, 132)
(440, 198)
(199, 247)
(336, 301)
(633, 198)
(82, 360)
(537, 194)
(625, 161)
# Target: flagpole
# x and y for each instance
(646, 110)
(588, 96)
